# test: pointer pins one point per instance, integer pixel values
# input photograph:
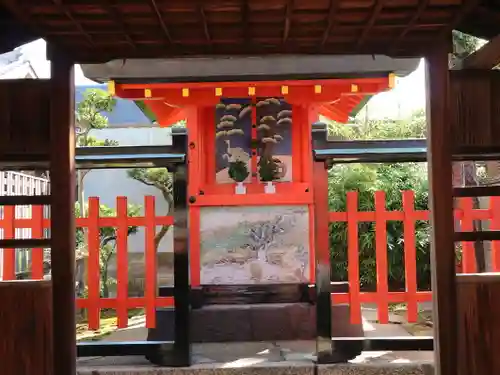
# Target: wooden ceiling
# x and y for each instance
(101, 30)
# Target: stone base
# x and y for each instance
(255, 322)
(260, 323)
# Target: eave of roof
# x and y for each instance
(226, 28)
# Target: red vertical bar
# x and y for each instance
(254, 137)
(194, 246)
(122, 261)
(93, 271)
(410, 253)
(467, 225)
(9, 232)
(495, 225)
(37, 232)
(353, 256)
(150, 258)
(381, 258)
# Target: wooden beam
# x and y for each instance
(487, 57)
(439, 155)
(62, 179)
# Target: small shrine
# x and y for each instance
(250, 176)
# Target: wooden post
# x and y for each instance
(479, 332)
(25, 326)
(62, 179)
(439, 156)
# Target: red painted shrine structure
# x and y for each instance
(198, 103)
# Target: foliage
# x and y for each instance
(238, 170)
(161, 179)
(107, 242)
(390, 178)
(366, 179)
(89, 116)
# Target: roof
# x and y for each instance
(126, 111)
(14, 65)
(248, 68)
(98, 31)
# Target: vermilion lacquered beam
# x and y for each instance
(150, 260)
(381, 257)
(179, 96)
(467, 225)
(93, 263)
(257, 84)
(495, 225)
(410, 253)
(37, 232)
(353, 255)
(122, 261)
(9, 232)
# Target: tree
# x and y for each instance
(89, 116)
(161, 179)
(107, 243)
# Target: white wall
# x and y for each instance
(107, 184)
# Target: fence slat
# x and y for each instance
(37, 232)
(122, 261)
(93, 274)
(410, 255)
(467, 225)
(9, 232)
(381, 257)
(353, 255)
(150, 259)
(495, 225)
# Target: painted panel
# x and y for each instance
(274, 136)
(233, 138)
(254, 244)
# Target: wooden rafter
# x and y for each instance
(288, 20)
(467, 7)
(108, 4)
(245, 13)
(77, 24)
(369, 25)
(422, 5)
(334, 6)
(163, 26)
(201, 12)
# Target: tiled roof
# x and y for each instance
(126, 111)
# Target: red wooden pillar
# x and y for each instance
(439, 156)
(62, 232)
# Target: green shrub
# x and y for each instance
(393, 179)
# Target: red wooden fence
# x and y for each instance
(382, 297)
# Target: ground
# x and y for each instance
(238, 355)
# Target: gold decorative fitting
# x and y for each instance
(218, 91)
(111, 88)
(185, 93)
(354, 88)
(392, 81)
(147, 93)
(317, 89)
(284, 90)
(251, 91)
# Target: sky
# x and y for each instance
(406, 97)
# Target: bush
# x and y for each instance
(366, 179)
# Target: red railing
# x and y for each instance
(92, 223)
(380, 216)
